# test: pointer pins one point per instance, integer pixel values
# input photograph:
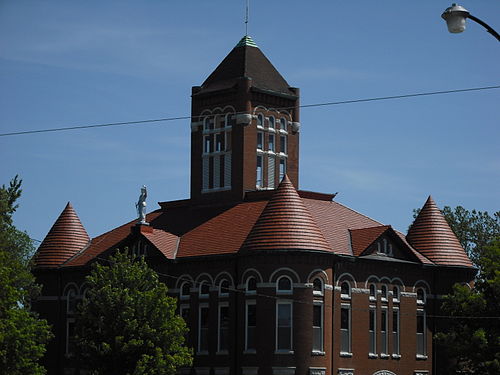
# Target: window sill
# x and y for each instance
(284, 352)
(222, 352)
(345, 354)
(372, 355)
(203, 352)
(249, 351)
(384, 356)
(345, 296)
(317, 353)
(396, 356)
(421, 357)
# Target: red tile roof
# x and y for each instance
(66, 237)
(165, 242)
(285, 223)
(431, 235)
(362, 238)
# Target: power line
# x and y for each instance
(352, 101)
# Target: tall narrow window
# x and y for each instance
(227, 121)
(317, 287)
(203, 325)
(185, 290)
(272, 124)
(372, 331)
(395, 294)
(283, 144)
(260, 141)
(345, 329)
(219, 142)
(71, 301)
(282, 168)
(373, 292)
(383, 331)
(270, 143)
(383, 293)
(260, 120)
(283, 326)
(345, 290)
(395, 332)
(283, 124)
(223, 327)
(250, 325)
(318, 326)
(204, 289)
(208, 144)
(224, 288)
(420, 296)
(258, 181)
(421, 349)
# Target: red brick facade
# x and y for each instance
(270, 279)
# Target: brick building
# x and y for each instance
(269, 278)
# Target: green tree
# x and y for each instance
(474, 229)
(22, 335)
(473, 334)
(127, 324)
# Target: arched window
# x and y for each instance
(228, 120)
(208, 124)
(71, 301)
(421, 296)
(204, 289)
(345, 290)
(185, 290)
(283, 124)
(284, 285)
(383, 292)
(373, 292)
(272, 124)
(260, 120)
(395, 293)
(251, 285)
(224, 288)
(317, 287)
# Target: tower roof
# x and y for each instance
(431, 235)
(246, 61)
(66, 238)
(285, 223)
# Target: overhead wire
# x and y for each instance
(167, 119)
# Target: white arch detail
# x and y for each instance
(223, 275)
(69, 286)
(422, 283)
(315, 272)
(274, 276)
(201, 277)
(182, 279)
(348, 276)
(254, 272)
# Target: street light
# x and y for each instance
(455, 17)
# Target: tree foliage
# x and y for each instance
(22, 335)
(473, 336)
(127, 324)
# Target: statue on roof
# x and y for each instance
(141, 205)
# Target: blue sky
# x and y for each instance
(76, 63)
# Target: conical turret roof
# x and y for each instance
(66, 238)
(431, 235)
(246, 60)
(285, 223)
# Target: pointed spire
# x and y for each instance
(66, 238)
(431, 236)
(246, 61)
(285, 223)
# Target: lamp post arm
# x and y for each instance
(485, 25)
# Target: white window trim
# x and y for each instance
(384, 353)
(424, 333)
(373, 354)
(226, 293)
(321, 292)
(203, 295)
(322, 350)
(348, 295)
(219, 351)
(248, 303)
(284, 351)
(202, 305)
(348, 353)
(396, 354)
